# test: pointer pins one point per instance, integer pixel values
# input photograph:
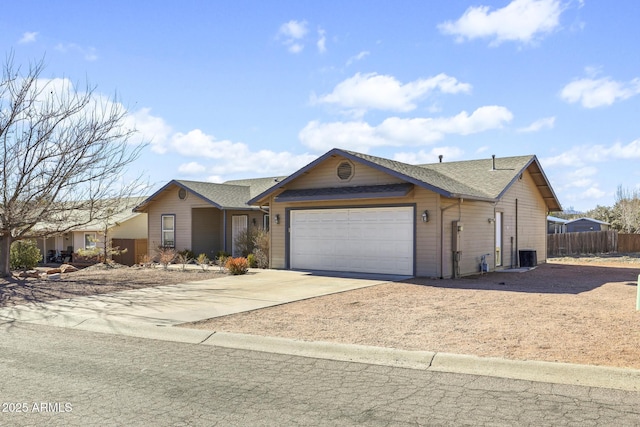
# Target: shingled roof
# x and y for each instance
(228, 195)
(484, 179)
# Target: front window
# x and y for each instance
(90, 240)
(168, 231)
(265, 222)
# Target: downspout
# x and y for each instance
(517, 258)
(442, 234)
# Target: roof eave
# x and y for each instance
(552, 202)
(142, 206)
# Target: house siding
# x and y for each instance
(524, 208)
(521, 206)
(168, 203)
(427, 234)
(205, 238)
(325, 175)
(133, 228)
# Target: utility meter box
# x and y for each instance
(456, 232)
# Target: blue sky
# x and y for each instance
(238, 89)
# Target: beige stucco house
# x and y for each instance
(348, 211)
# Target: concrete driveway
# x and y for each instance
(175, 304)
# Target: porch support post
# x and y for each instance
(224, 230)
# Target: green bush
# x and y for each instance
(251, 259)
(237, 266)
(24, 254)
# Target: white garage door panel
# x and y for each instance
(373, 240)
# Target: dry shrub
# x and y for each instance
(237, 266)
(166, 256)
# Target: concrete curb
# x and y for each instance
(530, 370)
(549, 372)
(325, 350)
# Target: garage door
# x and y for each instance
(371, 240)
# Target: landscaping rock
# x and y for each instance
(29, 274)
(67, 268)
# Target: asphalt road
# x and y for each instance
(56, 376)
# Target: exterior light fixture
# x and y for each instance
(491, 220)
(277, 219)
(425, 216)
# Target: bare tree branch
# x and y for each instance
(64, 155)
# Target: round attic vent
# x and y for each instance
(182, 194)
(345, 171)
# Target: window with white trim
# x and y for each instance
(168, 231)
(90, 240)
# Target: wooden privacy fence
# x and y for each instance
(588, 242)
(591, 242)
(136, 248)
(628, 243)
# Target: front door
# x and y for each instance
(239, 225)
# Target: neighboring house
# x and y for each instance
(203, 217)
(586, 224)
(123, 224)
(556, 225)
(348, 211)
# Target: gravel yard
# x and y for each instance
(568, 310)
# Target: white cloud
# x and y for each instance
(88, 53)
(322, 41)
(374, 91)
(521, 21)
(395, 131)
(360, 56)
(28, 37)
(423, 157)
(292, 33)
(592, 92)
(214, 158)
(191, 168)
(149, 128)
(580, 178)
(581, 156)
(545, 123)
(294, 29)
(592, 193)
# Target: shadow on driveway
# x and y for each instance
(549, 278)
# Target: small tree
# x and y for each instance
(627, 210)
(244, 241)
(261, 248)
(24, 254)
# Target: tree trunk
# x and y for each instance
(5, 250)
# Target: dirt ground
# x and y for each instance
(95, 280)
(568, 310)
(579, 310)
